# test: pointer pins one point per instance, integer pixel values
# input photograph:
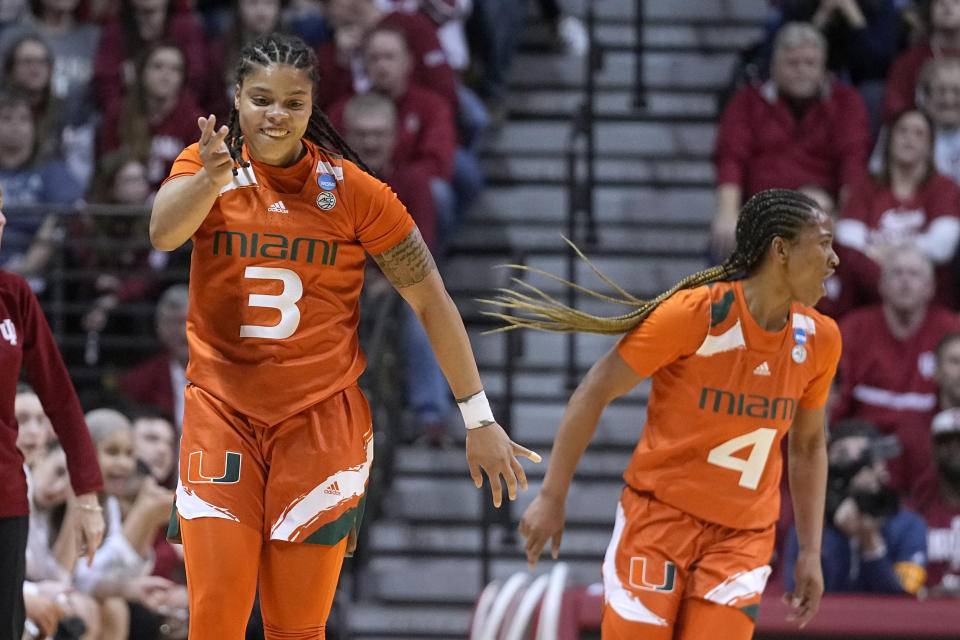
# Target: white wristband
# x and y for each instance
(476, 411)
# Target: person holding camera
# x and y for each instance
(870, 542)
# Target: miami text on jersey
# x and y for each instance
(274, 246)
(753, 405)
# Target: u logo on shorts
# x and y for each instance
(638, 569)
(231, 469)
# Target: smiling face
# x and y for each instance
(153, 442)
(274, 104)
(115, 455)
(809, 259)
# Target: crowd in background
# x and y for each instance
(856, 102)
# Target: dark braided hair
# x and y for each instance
(767, 215)
(279, 48)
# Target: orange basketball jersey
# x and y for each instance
(275, 277)
(724, 393)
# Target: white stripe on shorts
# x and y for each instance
(307, 508)
(190, 506)
(745, 584)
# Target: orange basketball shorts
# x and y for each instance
(302, 480)
(660, 556)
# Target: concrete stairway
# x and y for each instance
(653, 204)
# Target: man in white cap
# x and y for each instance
(937, 499)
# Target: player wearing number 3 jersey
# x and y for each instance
(277, 437)
(735, 364)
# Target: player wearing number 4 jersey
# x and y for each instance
(277, 442)
(736, 364)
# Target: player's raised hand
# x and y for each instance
(213, 151)
(542, 521)
(490, 449)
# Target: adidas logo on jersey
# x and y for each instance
(277, 207)
(763, 369)
(333, 489)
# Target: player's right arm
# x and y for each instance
(608, 379)
(182, 203)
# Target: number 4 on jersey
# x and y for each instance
(750, 468)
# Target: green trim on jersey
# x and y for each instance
(173, 527)
(333, 532)
(751, 610)
(720, 310)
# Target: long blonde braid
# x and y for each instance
(768, 214)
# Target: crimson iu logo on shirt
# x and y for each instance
(8, 331)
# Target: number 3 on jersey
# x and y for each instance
(285, 302)
(750, 469)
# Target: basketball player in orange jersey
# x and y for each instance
(736, 364)
(277, 441)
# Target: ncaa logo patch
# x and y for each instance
(326, 182)
(326, 201)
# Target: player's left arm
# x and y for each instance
(807, 451)
(412, 271)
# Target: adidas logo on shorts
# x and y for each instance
(762, 370)
(333, 489)
(277, 207)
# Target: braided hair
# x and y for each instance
(278, 48)
(767, 215)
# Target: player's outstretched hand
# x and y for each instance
(490, 449)
(213, 151)
(805, 599)
(542, 521)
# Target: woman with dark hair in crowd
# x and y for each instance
(29, 181)
(109, 246)
(907, 201)
(156, 118)
(142, 23)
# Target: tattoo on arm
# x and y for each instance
(408, 263)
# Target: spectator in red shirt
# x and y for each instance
(887, 367)
(369, 126)
(907, 202)
(159, 382)
(340, 59)
(158, 117)
(944, 42)
(141, 23)
(937, 499)
(799, 128)
(426, 135)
